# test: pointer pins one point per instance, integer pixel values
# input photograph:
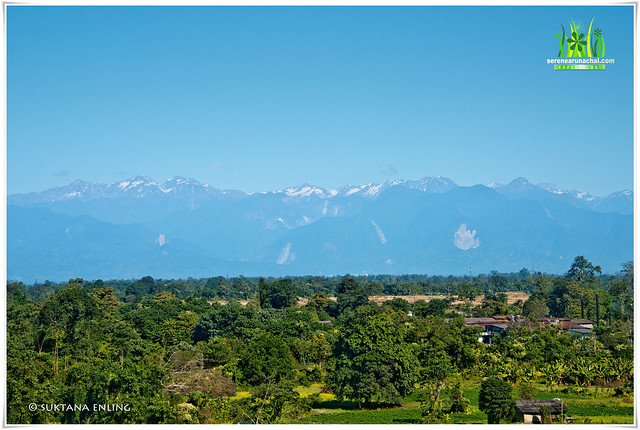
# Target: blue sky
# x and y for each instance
(260, 98)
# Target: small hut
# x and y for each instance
(529, 411)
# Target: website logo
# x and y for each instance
(581, 48)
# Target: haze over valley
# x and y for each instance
(183, 228)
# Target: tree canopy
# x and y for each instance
(496, 401)
(372, 361)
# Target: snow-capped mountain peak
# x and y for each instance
(180, 184)
(433, 184)
(581, 195)
(552, 188)
(180, 180)
(305, 190)
(183, 228)
(138, 182)
(179, 187)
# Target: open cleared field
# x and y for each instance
(595, 407)
(512, 297)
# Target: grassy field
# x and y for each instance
(512, 297)
(592, 407)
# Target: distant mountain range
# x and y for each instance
(182, 228)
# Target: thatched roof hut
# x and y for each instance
(529, 411)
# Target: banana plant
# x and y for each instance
(582, 387)
(623, 369)
(585, 371)
(509, 372)
(490, 371)
(528, 374)
(604, 370)
(601, 370)
(551, 378)
(560, 370)
(572, 374)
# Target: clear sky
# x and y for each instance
(260, 98)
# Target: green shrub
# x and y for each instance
(527, 392)
(459, 403)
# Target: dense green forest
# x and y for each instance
(187, 351)
(245, 288)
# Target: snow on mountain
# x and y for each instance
(432, 184)
(305, 190)
(620, 202)
(184, 185)
(522, 184)
(143, 186)
(428, 184)
(552, 188)
(557, 190)
(309, 229)
(350, 190)
(78, 189)
(373, 190)
(581, 195)
(139, 183)
(140, 187)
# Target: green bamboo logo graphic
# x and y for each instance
(598, 44)
(561, 52)
(579, 44)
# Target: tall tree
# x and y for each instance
(268, 358)
(436, 374)
(496, 400)
(267, 367)
(582, 269)
(372, 361)
(279, 294)
(350, 295)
